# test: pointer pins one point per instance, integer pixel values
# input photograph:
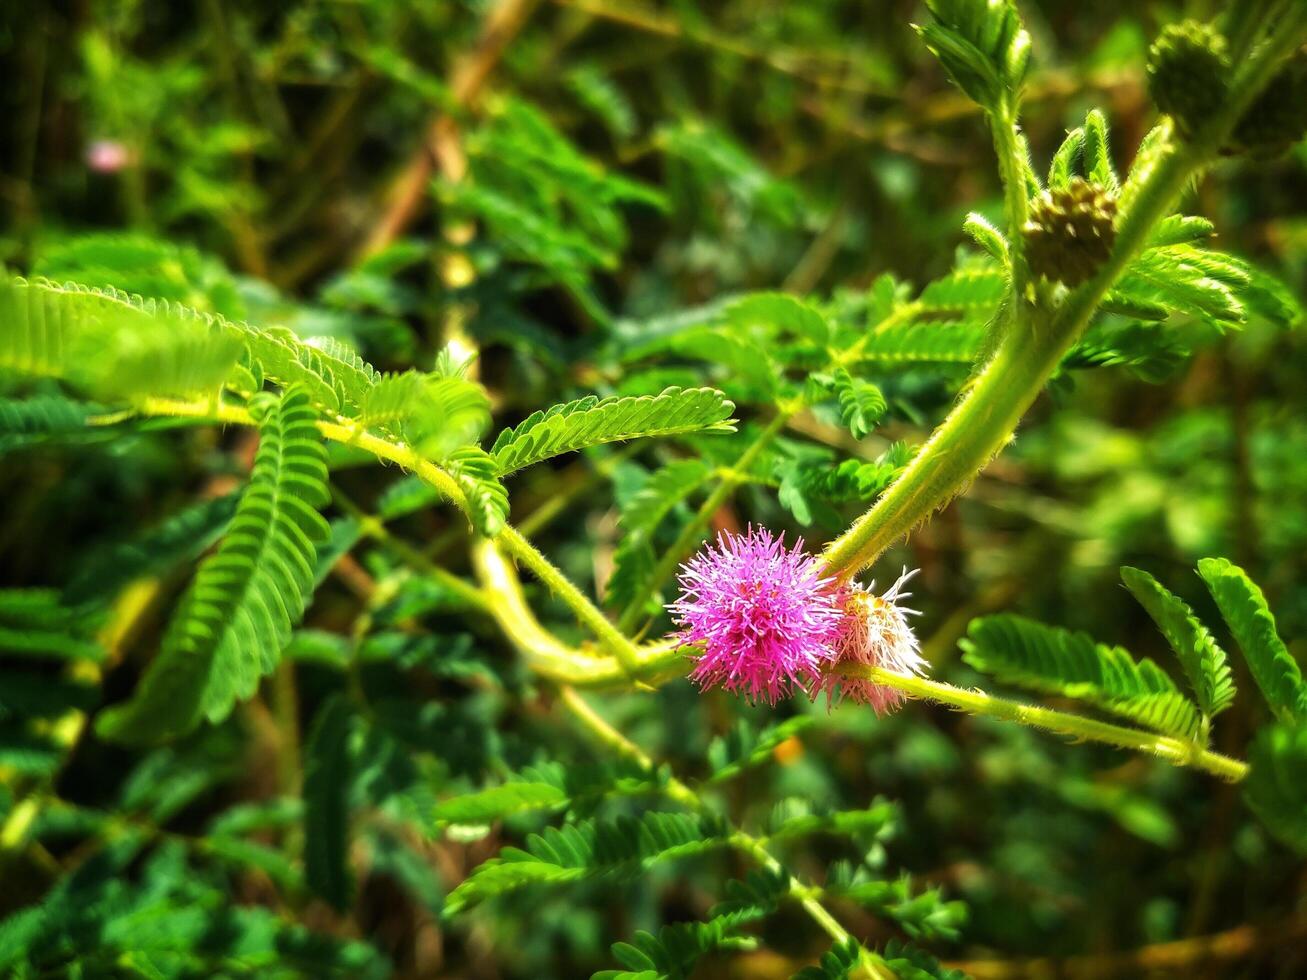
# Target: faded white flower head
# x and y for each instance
(875, 632)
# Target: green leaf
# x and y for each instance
(1244, 609)
(800, 817)
(744, 746)
(781, 311)
(327, 768)
(45, 419)
(633, 560)
(861, 403)
(590, 422)
(1096, 153)
(1180, 229)
(1181, 282)
(477, 474)
(620, 848)
(236, 618)
(38, 623)
(1276, 789)
(983, 47)
(944, 342)
(1065, 160)
(1203, 661)
(677, 947)
(113, 345)
(498, 802)
(1058, 661)
(836, 964)
(103, 572)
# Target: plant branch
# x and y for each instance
(608, 736)
(983, 422)
(1175, 750)
(502, 24)
(511, 541)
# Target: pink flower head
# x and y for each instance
(875, 632)
(765, 616)
(109, 156)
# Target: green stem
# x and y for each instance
(544, 653)
(609, 737)
(1178, 751)
(984, 420)
(373, 527)
(512, 542)
(1012, 171)
(689, 535)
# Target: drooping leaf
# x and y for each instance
(1244, 609)
(1203, 661)
(237, 616)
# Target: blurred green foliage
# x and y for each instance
(587, 217)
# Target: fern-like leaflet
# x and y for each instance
(591, 422)
(237, 616)
(1059, 661)
(1203, 660)
(1244, 609)
(618, 848)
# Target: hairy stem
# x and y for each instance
(1175, 750)
(984, 420)
(606, 735)
(1012, 169)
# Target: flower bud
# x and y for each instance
(1070, 232)
(1188, 73)
(874, 632)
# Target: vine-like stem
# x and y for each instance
(372, 527)
(545, 654)
(1033, 346)
(608, 736)
(1016, 204)
(1175, 750)
(512, 542)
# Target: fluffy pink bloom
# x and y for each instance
(765, 616)
(874, 631)
(109, 156)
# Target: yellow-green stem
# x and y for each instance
(1035, 342)
(1175, 750)
(608, 736)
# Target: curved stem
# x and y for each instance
(1175, 750)
(544, 653)
(608, 736)
(512, 542)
